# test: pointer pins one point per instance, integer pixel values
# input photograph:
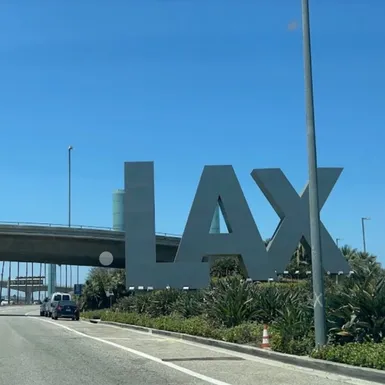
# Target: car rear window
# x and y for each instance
(66, 297)
(57, 297)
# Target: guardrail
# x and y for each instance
(84, 227)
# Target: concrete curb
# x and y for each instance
(366, 374)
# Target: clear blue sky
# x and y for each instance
(188, 83)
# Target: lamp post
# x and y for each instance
(26, 287)
(315, 234)
(32, 282)
(18, 282)
(9, 282)
(1, 281)
(363, 231)
(41, 268)
(70, 148)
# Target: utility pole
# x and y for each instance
(315, 234)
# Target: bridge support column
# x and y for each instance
(9, 289)
(28, 296)
(51, 276)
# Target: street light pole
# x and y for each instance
(26, 287)
(363, 232)
(18, 282)
(70, 148)
(315, 234)
(9, 281)
(337, 241)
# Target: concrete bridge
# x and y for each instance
(75, 245)
(29, 290)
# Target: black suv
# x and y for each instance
(65, 309)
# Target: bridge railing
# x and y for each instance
(85, 227)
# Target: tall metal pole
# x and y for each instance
(363, 232)
(41, 267)
(18, 283)
(32, 282)
(70, 148)
(45, 281)
(9, 282)
(26, 286)
(315, 234)
(1, 281)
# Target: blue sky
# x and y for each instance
(188, 83)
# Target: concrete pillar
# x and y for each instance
(51, 279)
(215, 224)
(28, 296)
(9, 289)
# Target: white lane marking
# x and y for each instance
(189, 372)
(30, 312)
(249, 357)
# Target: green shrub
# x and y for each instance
(227, 266)
(162, 302)
(126, 304)
(370, 355)
(357, 313)
(297, 346)
(246, 333)
(230, 302)
(189, 304)
(95, 314)
(249, 333)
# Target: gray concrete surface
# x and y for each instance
(35, 350)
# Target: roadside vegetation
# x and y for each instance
(235, 310)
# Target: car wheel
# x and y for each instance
(41, 314)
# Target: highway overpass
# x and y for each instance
(36, 288)
(75, 245)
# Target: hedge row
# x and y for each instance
(246, 333)
(371, 355)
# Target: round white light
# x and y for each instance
(106, 258)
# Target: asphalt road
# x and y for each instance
(37, 350)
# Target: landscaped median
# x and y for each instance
(247, 333)
(370, 355)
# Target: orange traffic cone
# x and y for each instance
(265, 338)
